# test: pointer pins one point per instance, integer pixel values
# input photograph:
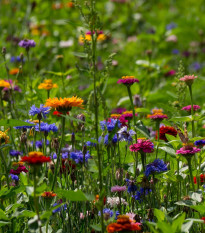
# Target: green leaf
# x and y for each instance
(169, 150)
(142, 128)
(199, 208)
(74, 195)
(96, 227)
(186, 226)
(196, 196)
(14, 123)
(13, 191)
(160, 215)
(182, 119)
(23, 178)
(3, 215)
(82, 55)
(142, 110)
(177, 223)
(24, 214)
(2, 223)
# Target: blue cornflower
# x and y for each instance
(171, 26)
(14, 177)
(65, 155)
(45, 127)
(39, 144)
(199, 143)
(59, 209)
(15, 153)
(42, 111)
(117, 213)
(91, 144)
(131, 187)
(142, 193)
(125, 135)
(106, 142)
(53, 156)
(25, 126)
(110, 124)
(78, 156)
(156, 167)
(175, 51)
(195, 66)
(107, 211)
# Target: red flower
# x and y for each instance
(35, 157)
(202, 179)
(57, 113)
(18, 170)
(203, 218)
(67, 164)
(166, 130)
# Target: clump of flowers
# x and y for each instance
(128, 80)
(156, 167)
(45, 127)
(35, 158)
(40, 112)
(188, 108)
(124, 223)
(166, 130)
(142, 145)
(79, 157)
(4, 138)
(188, 79)
(110, 124)
(47, 84)
(64, 104)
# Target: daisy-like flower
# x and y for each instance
(188, 79)
(166, 130)
(4, 84)
(188, 150)
(125, 135)
(47, 84)
(48, 194)
(118, 189)
(35, 158)
(42, 111)
(142, 145)
(4, 138)
(27, 44)
(128, 80)
(14, 71)
(64, 105)
(188, 108)
(157, 116)
(155, 167)
(123, 224)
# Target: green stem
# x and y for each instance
(143, 160)
(192, 111)
(190, 172)
(157, 128)
(6, 168)
(58, 155)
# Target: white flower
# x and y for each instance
(113, 201)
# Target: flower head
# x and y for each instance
(35, 158)
(188, 150)
(42, 111)
(45, 127)
(188, 108)
(79, 157)
(155, 167)
(125, 135)
(18, 170)
(188, 79)
(142, 145)
(15, 153)
(199, 143)
(128, 115)
(166, 130)
(48, 194)
(128, 80)
(118, 189)
(4, 84)
(14, 71)
(4, 138)
(27, 44)
(114, 201)
(65, 104)
(47, 85)
(110, 124)
(157, 116)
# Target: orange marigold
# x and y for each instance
(65, 104)
(4, 84)
(115, 116)
(47, 85)
(35, 158)
(14, 71)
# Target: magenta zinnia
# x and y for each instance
(188, 150)
(188, 108)
(128, 80)
(142, 145)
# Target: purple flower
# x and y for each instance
(128, 80)
(118, 189)
(14, 177)
(59, 209)
(15, 153)
(140, 195)
(125, 135)
(27, 44)
(155, 167)
(195, 66)
(45, 127)
(199, 143)
(175, 51)
(110, 124)
(39, 144)
(42, 111)
(53, 156)
(171, 26)
(65, 155)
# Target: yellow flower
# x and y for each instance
(4, 138)
(128, 77)
(4, 84)
(35, 154)
(65, 104)
(17, 163)
(115, 116)
(47, 85)
(101, 37)
(127, 112)
(87, 37)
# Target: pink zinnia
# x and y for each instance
(145, 146)
(188, 150)
(157, 116)
(128, 115)
(188, 108)
(18, 170)
(128, 80)
(118, 188)
(188, 79)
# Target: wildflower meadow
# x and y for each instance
(102, 116)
